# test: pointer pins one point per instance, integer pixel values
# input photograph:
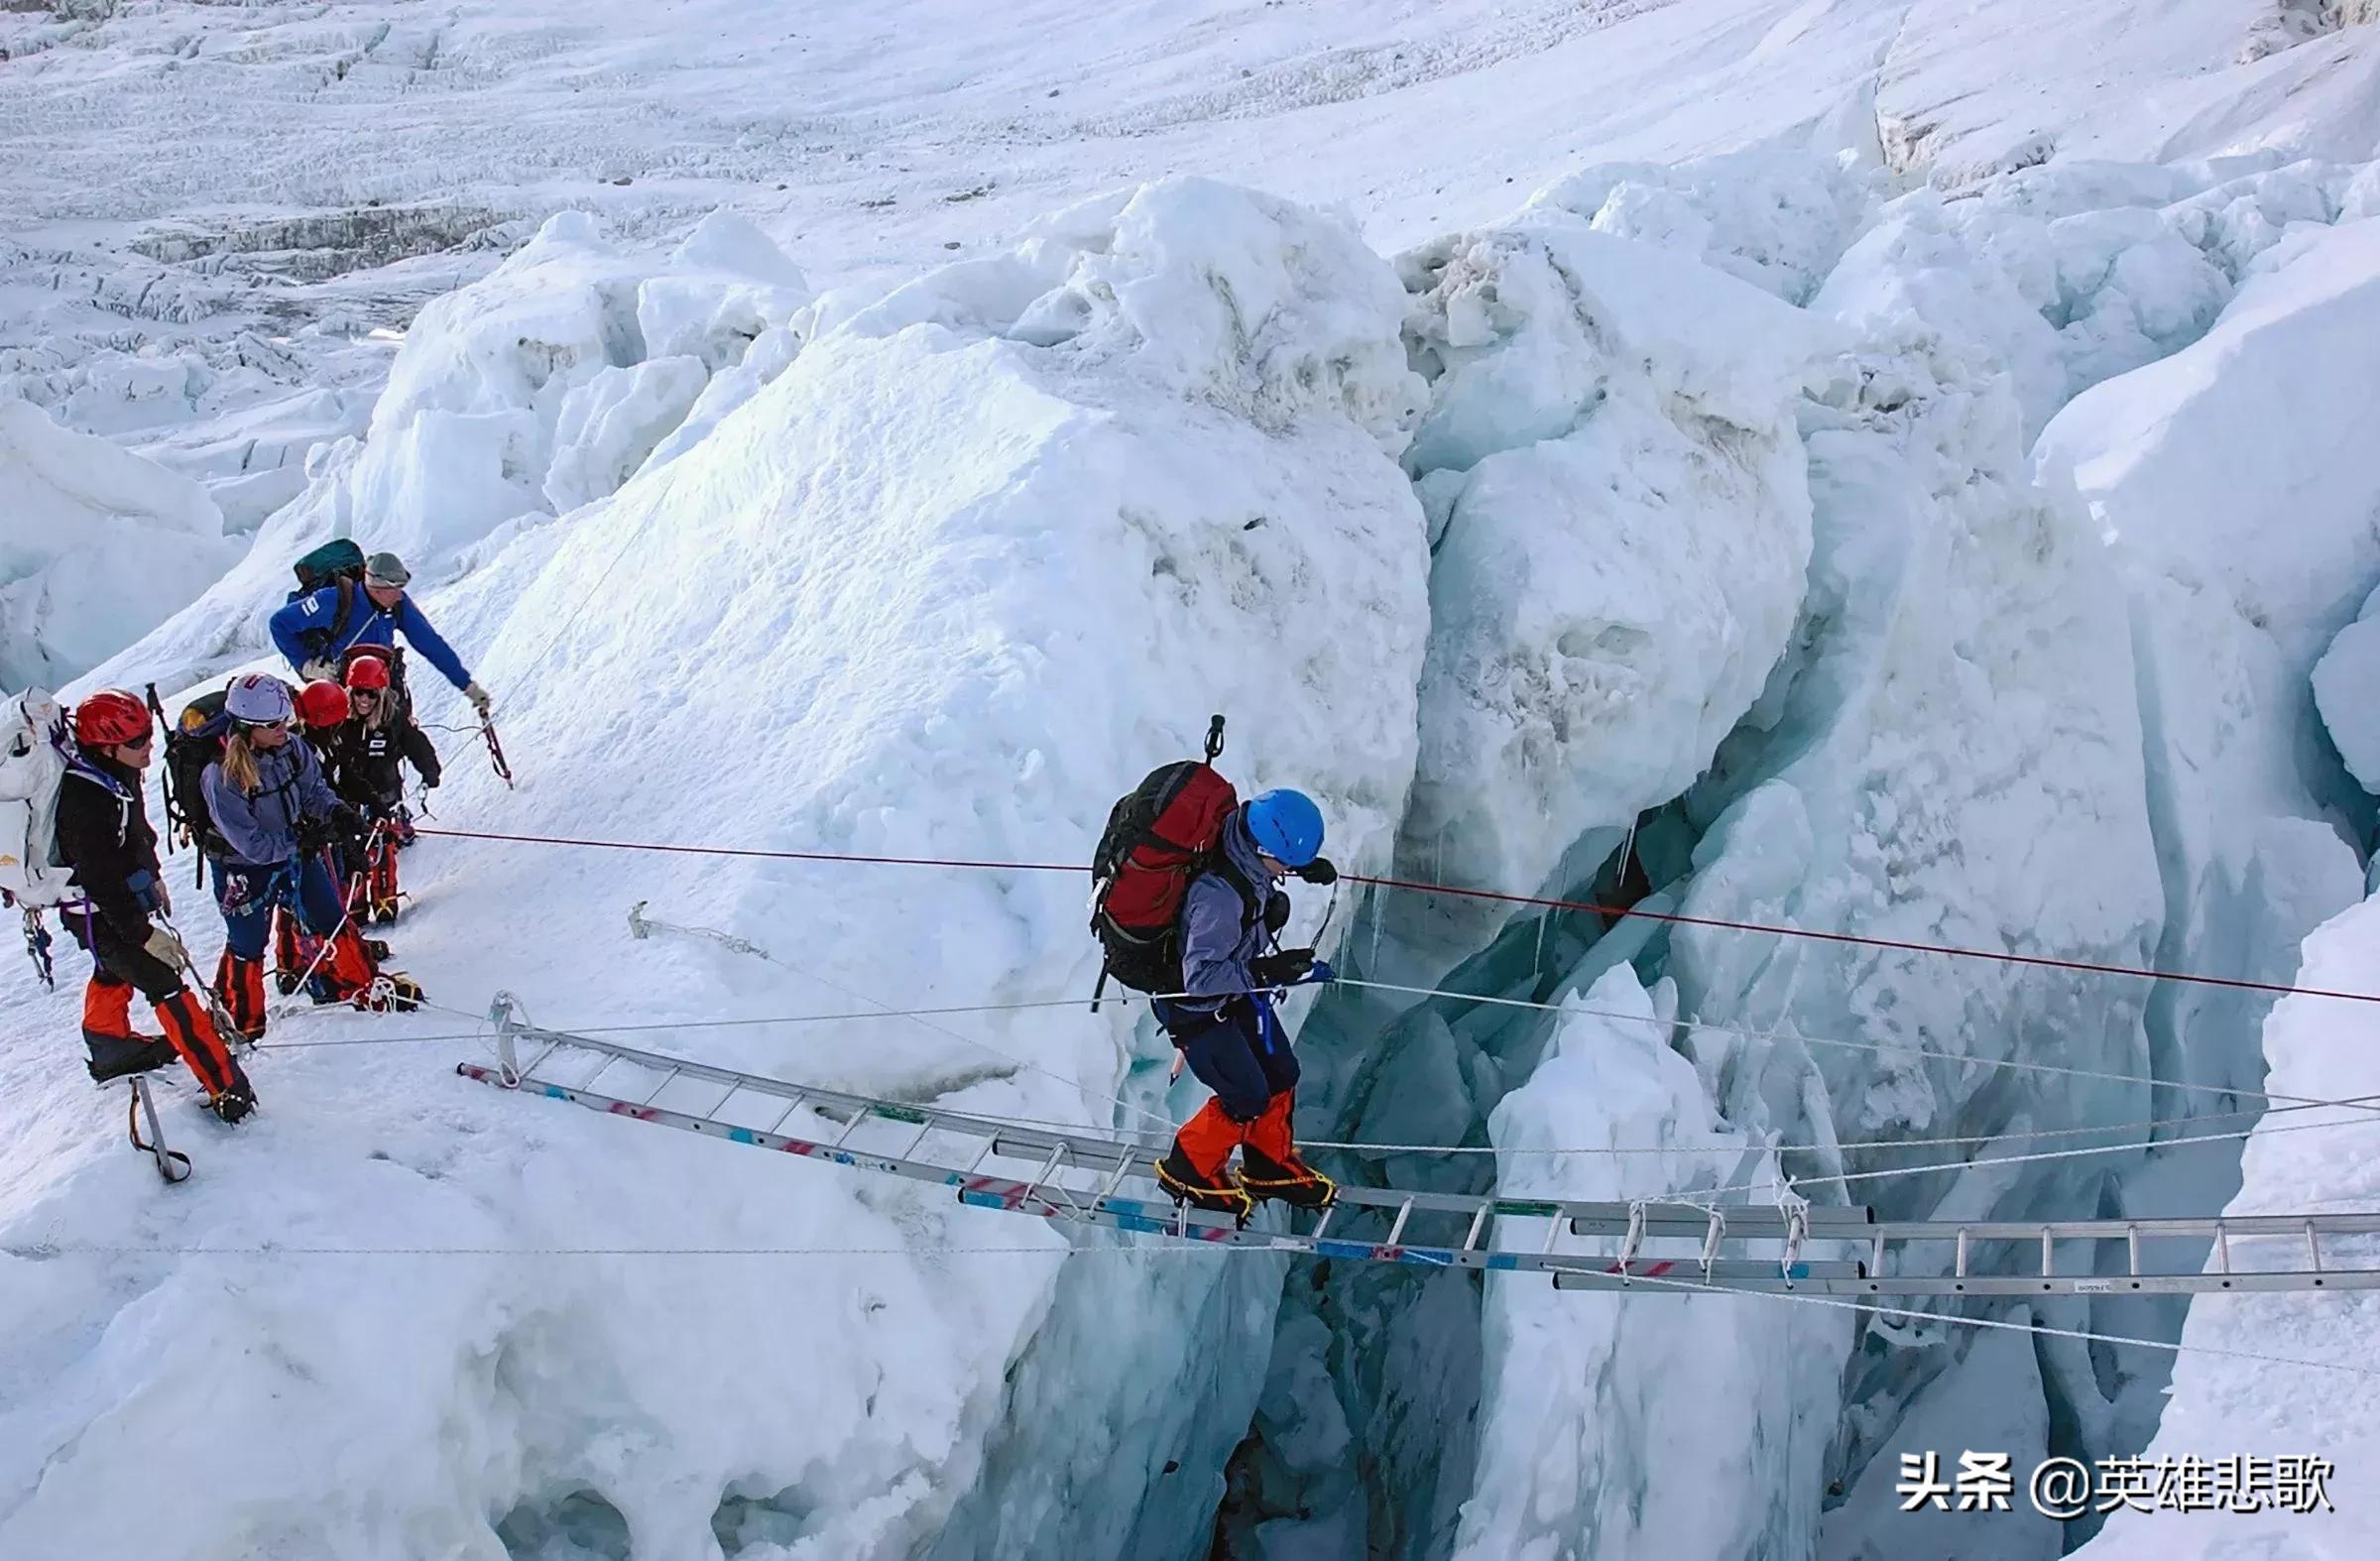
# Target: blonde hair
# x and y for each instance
(239, 763)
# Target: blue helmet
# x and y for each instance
(1286, 826)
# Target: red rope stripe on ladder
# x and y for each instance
(1414, 885)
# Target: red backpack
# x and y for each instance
(1161, 836)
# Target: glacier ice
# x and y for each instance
(1622, 554)
(96, 543)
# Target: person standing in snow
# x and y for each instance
(308, 631)
(277, 815)
(369, 749)
(1225, 1025)
(104, 835)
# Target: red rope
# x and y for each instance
(2039, 961)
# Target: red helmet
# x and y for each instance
(110, 718)
(368, 672)
(322, 704)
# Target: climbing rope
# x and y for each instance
(1417, 886)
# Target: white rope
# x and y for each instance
(2174, 1347)
(1685, 1022)
(39, 1251)
(886, 1011)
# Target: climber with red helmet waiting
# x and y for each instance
(276, 815)
(1225, 1025)
(364, 769)
(104, 833)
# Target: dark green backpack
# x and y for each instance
(337, 563)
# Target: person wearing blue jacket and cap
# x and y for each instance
(308, 631)
(1225, 1024)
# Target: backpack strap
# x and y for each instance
(345, 612)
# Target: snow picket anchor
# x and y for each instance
(504, 772)
(501, 1015)
(143, 1108)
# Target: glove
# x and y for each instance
(312, 835)
(1276, 914)
(480, 699)
(1319, 871)
(317, 671)
(1284, 969)
(1319, 974)
(163, 945)
(347, 820)
(164, 901)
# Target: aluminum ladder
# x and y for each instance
(1081, 1177)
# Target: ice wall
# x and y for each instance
(933, 589)
(1697, 1438)
(1621, 523)
(537, 389)
(96, 543)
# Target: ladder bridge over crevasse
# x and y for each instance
(1077, 1177)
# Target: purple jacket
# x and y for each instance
(1221, 932)
(263, 828)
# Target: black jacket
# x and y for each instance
(362, 761)
(104, 835)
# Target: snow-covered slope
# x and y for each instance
(1674, 533)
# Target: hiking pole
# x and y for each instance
(504, 772)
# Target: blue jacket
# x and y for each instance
(1221, 932)
(367, 623)
(263, 827)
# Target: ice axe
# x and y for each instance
(504, 772)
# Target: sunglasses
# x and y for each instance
(142, 741)
(265, 726)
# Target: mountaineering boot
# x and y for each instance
(1271, 1167)
(107, 1033)
(115, 1057)
(1292, 1182)
(377, 949)
(346, 972)
(1214, 1191)
(394, 993)
(193, 1032)
(240, 988)
(234, 1104)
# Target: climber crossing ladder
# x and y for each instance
(1075, 1176)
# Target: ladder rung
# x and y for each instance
(917, 1143)
(667, 1079)
(1479, 1222)
(1403, 1213)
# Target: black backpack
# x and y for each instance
(191, 744)
(339, 563)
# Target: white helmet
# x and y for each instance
(258, 701)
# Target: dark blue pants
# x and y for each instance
(1240, 1052)
(246, 896)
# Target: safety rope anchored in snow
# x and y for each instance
(1500, 896)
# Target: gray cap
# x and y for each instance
(386, 568)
